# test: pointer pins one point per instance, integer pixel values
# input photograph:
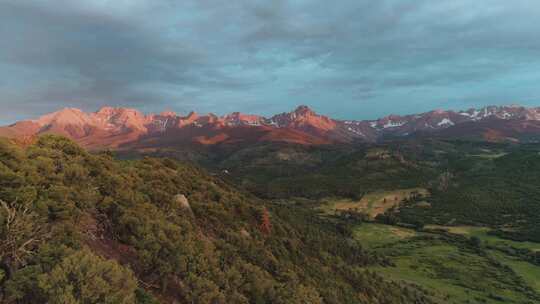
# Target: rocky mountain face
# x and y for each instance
(122, 127)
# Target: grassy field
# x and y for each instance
(529, 273)
(482, 233)
(373, 203)
(375, 235)
(452, 272)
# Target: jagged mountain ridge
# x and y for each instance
(115, 127)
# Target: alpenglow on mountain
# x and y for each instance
(128, 128)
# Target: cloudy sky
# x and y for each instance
(349, 59)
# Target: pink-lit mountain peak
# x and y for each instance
(65, 116)
(113, 126)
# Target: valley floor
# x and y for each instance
(450, 268)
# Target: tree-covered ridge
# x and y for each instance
(499, 190)
(469, 183)
(84, 228)
(283, 171)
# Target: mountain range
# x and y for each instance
(129, 128)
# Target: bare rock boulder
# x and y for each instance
(182, 201)
(245, 233)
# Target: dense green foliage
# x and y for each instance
(276, 171)
(82, 276)
(496, 189)
(82, 228)
(487, 192)
(77, 227)
(471, 183)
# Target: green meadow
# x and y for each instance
(451, 269)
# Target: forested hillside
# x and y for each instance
(85, 228)
(281, 171)
(469, 183)
(458, 218)
(499, 189)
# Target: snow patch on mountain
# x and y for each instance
(446, 122)
(393, 124)
(357, 132)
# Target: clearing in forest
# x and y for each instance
(373, 235)
(375, 203)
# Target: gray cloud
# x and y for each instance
(352, 59)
